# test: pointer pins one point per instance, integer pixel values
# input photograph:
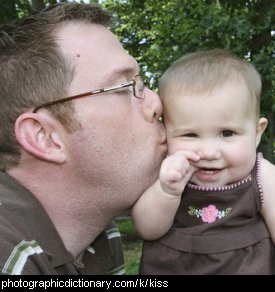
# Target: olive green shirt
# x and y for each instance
(30, 244)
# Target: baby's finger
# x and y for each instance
(189, 174)
(189, 155)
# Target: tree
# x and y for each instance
(37, 5)
(12, 9)
(158, 32)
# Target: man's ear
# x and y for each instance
(38, 134)
(262, 124)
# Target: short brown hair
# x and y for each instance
(201, 72)
(34, 71)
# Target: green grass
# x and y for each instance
(131, 245)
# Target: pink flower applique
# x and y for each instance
(209, 214)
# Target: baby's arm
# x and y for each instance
(268, 184)
(154, 212)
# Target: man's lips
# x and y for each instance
(164, 146)
(163, 139)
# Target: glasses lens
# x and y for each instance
(139, 87)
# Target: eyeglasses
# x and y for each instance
(136, 85)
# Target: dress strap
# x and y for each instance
(257, 181)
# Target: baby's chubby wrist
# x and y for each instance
(169, 192)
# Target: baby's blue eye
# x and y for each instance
(227, 133)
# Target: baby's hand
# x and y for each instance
(176, 171)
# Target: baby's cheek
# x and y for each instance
(243, 160)
(174, 147)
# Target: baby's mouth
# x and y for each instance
(208, 171)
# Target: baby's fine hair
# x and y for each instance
(201, 72)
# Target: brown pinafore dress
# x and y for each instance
(215, 231)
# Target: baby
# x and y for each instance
(213, 207)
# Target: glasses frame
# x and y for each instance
(93, 92)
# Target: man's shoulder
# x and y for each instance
(105, 254)
(12, 245)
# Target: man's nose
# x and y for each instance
(151, 106)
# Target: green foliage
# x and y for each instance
(158, 32)
(126, 228)
(131, 245)
(12, 9)
(132, 253)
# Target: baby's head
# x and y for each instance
(202, 72)
(211, 105)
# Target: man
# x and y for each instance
(80, 140)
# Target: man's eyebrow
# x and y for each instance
(116, 76)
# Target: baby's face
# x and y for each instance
(220, 127)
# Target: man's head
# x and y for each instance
(33, 70)
(111, 145)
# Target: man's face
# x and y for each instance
(121, 144)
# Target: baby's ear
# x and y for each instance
(39, 135)
(262, 124)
